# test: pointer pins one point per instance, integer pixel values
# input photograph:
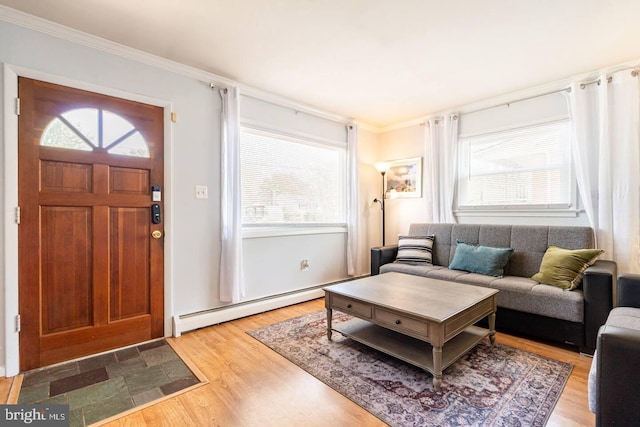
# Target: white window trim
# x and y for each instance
(253, 231)
(520, 125)
(513, 212)
(566, 210)
(266, 129)
(250, 232)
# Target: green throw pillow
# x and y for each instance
(564, 268)
(480, 259)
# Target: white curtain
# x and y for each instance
(440, 167)
(606, 148)
(231, 277)
(353, 214)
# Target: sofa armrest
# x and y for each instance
(597, 285)
(618, 376)
(629, 290)
(382, 255)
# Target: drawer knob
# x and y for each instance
(398, 322)
(349, 305)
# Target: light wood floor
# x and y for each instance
(250, 385)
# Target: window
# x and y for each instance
(526, 167)
(290, 181)
(88, 129)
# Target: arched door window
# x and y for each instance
(88, 129)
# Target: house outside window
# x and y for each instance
(525, 168)
(290, 181)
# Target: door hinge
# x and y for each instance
(17, 106)
(17, 323)
(18, 215)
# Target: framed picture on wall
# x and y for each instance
(404, 177)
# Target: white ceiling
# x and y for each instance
(378, 61)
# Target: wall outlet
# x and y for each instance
(202, 192)
(304, 265)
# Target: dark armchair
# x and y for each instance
(614, 380)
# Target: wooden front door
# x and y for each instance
(90, 255)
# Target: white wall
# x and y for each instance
(272, 262)
(192, 149)
(370, 188)
(192, 245)
(3, 220)
(398, 144)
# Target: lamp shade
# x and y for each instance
(382, 166)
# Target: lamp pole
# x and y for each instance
(382, 206)
(382, 167)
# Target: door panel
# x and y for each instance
(65, 177)
(91, 275)
(129, 253)
(66, 268)
(129, 181)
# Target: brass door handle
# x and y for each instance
(156, 234)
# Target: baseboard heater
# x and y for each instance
(202, 319)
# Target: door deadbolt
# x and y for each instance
(156, 234)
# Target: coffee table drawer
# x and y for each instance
(348, 305)
(402, 323)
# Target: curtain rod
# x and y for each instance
(214, 86)
(585, 84)
(566, 89)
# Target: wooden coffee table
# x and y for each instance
(425, 322)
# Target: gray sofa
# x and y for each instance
(614, 379)
(524, 305)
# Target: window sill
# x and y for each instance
(261, 232)
(565, 213)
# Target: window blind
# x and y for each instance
(291, 181)
(527, 166)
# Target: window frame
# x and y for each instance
(569, 209)
(113, 146)
(259, 230)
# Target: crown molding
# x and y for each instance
(367, 127)
(84, 39)
(63, 32)
(515, 96)
(402, 125)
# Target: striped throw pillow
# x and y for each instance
(415, 249)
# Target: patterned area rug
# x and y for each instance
(490, 386)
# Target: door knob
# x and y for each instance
(156, 234)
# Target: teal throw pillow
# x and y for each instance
(480, 259)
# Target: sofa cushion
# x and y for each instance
(415, 249)
(527, 295)
(480, 259)
(416, 269)
(528, 241)
(447, 274)
(475, 279)
(564, 268)
(624, 317)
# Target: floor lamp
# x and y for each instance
(382, 167)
